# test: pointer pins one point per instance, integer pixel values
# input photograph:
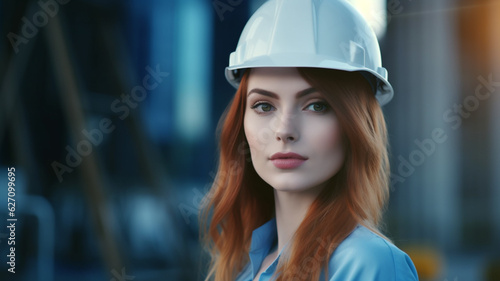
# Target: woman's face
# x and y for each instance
(294, 136)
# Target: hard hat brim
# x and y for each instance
(383, 91)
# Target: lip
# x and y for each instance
(287, 160)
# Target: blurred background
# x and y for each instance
(108, 112)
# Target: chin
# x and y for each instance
(292, 184)
(288, 188)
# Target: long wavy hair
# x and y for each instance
(240, 201)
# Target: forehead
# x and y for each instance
(280, 80)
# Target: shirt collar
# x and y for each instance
(262, 241)
(264, 236)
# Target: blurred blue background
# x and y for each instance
(108, 111)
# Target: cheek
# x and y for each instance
(327, 137)
(248, 127)
(251, 129)
(257, 132)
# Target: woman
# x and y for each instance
(303, 171)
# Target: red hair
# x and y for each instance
(240, 201)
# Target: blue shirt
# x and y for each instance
(363, 255)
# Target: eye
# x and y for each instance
(262, 107)
(317, 107)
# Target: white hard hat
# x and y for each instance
(310, 33)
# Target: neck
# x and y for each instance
(291, 209)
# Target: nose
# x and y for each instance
(286, 130)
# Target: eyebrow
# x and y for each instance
(298, 95)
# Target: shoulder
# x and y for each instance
(364, 255)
